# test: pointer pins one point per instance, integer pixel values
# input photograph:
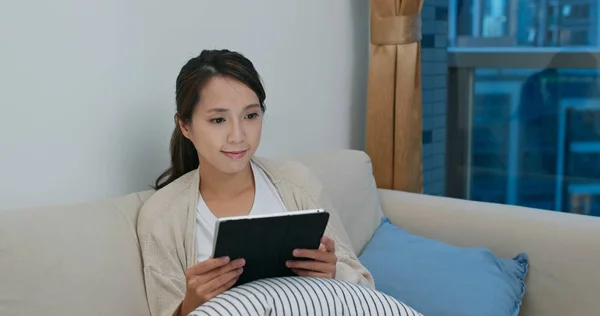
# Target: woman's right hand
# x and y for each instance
(208, 279)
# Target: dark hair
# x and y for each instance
(190, 81)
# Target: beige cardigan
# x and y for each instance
(166, 231)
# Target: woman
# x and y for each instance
(214, 173)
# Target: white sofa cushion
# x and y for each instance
(72, 260)
(347, 176)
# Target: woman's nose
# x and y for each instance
(236, 133)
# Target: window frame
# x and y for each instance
(522, 57)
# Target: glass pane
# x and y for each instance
(535, 139)
(528, 23)
(464, 25)
(494, 18)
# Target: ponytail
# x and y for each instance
(184, 158)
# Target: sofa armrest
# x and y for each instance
(564, 249)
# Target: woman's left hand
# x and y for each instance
(322, 264)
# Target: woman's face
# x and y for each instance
(226, 125)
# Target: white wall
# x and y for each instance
(87, 86)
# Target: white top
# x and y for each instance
(266, 201)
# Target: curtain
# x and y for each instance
(394, 110)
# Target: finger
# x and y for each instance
(221, 280)
(314, 254)
(223, 288)
(233, 265)
(312, 274)
(329, 244)
(311, 265)
(206, 266)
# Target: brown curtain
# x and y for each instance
(394, 110)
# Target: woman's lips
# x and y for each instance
(235, 154)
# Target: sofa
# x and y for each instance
(83, 259)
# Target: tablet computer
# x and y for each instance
(266, 242)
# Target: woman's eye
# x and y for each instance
(217, 120)
(252, 116)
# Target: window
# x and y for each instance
(524, 103)
(526, 23)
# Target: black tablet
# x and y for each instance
(266, 242)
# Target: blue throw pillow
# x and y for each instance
(439, 279)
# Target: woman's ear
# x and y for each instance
(185, 129)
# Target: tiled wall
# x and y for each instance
(434, 70)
